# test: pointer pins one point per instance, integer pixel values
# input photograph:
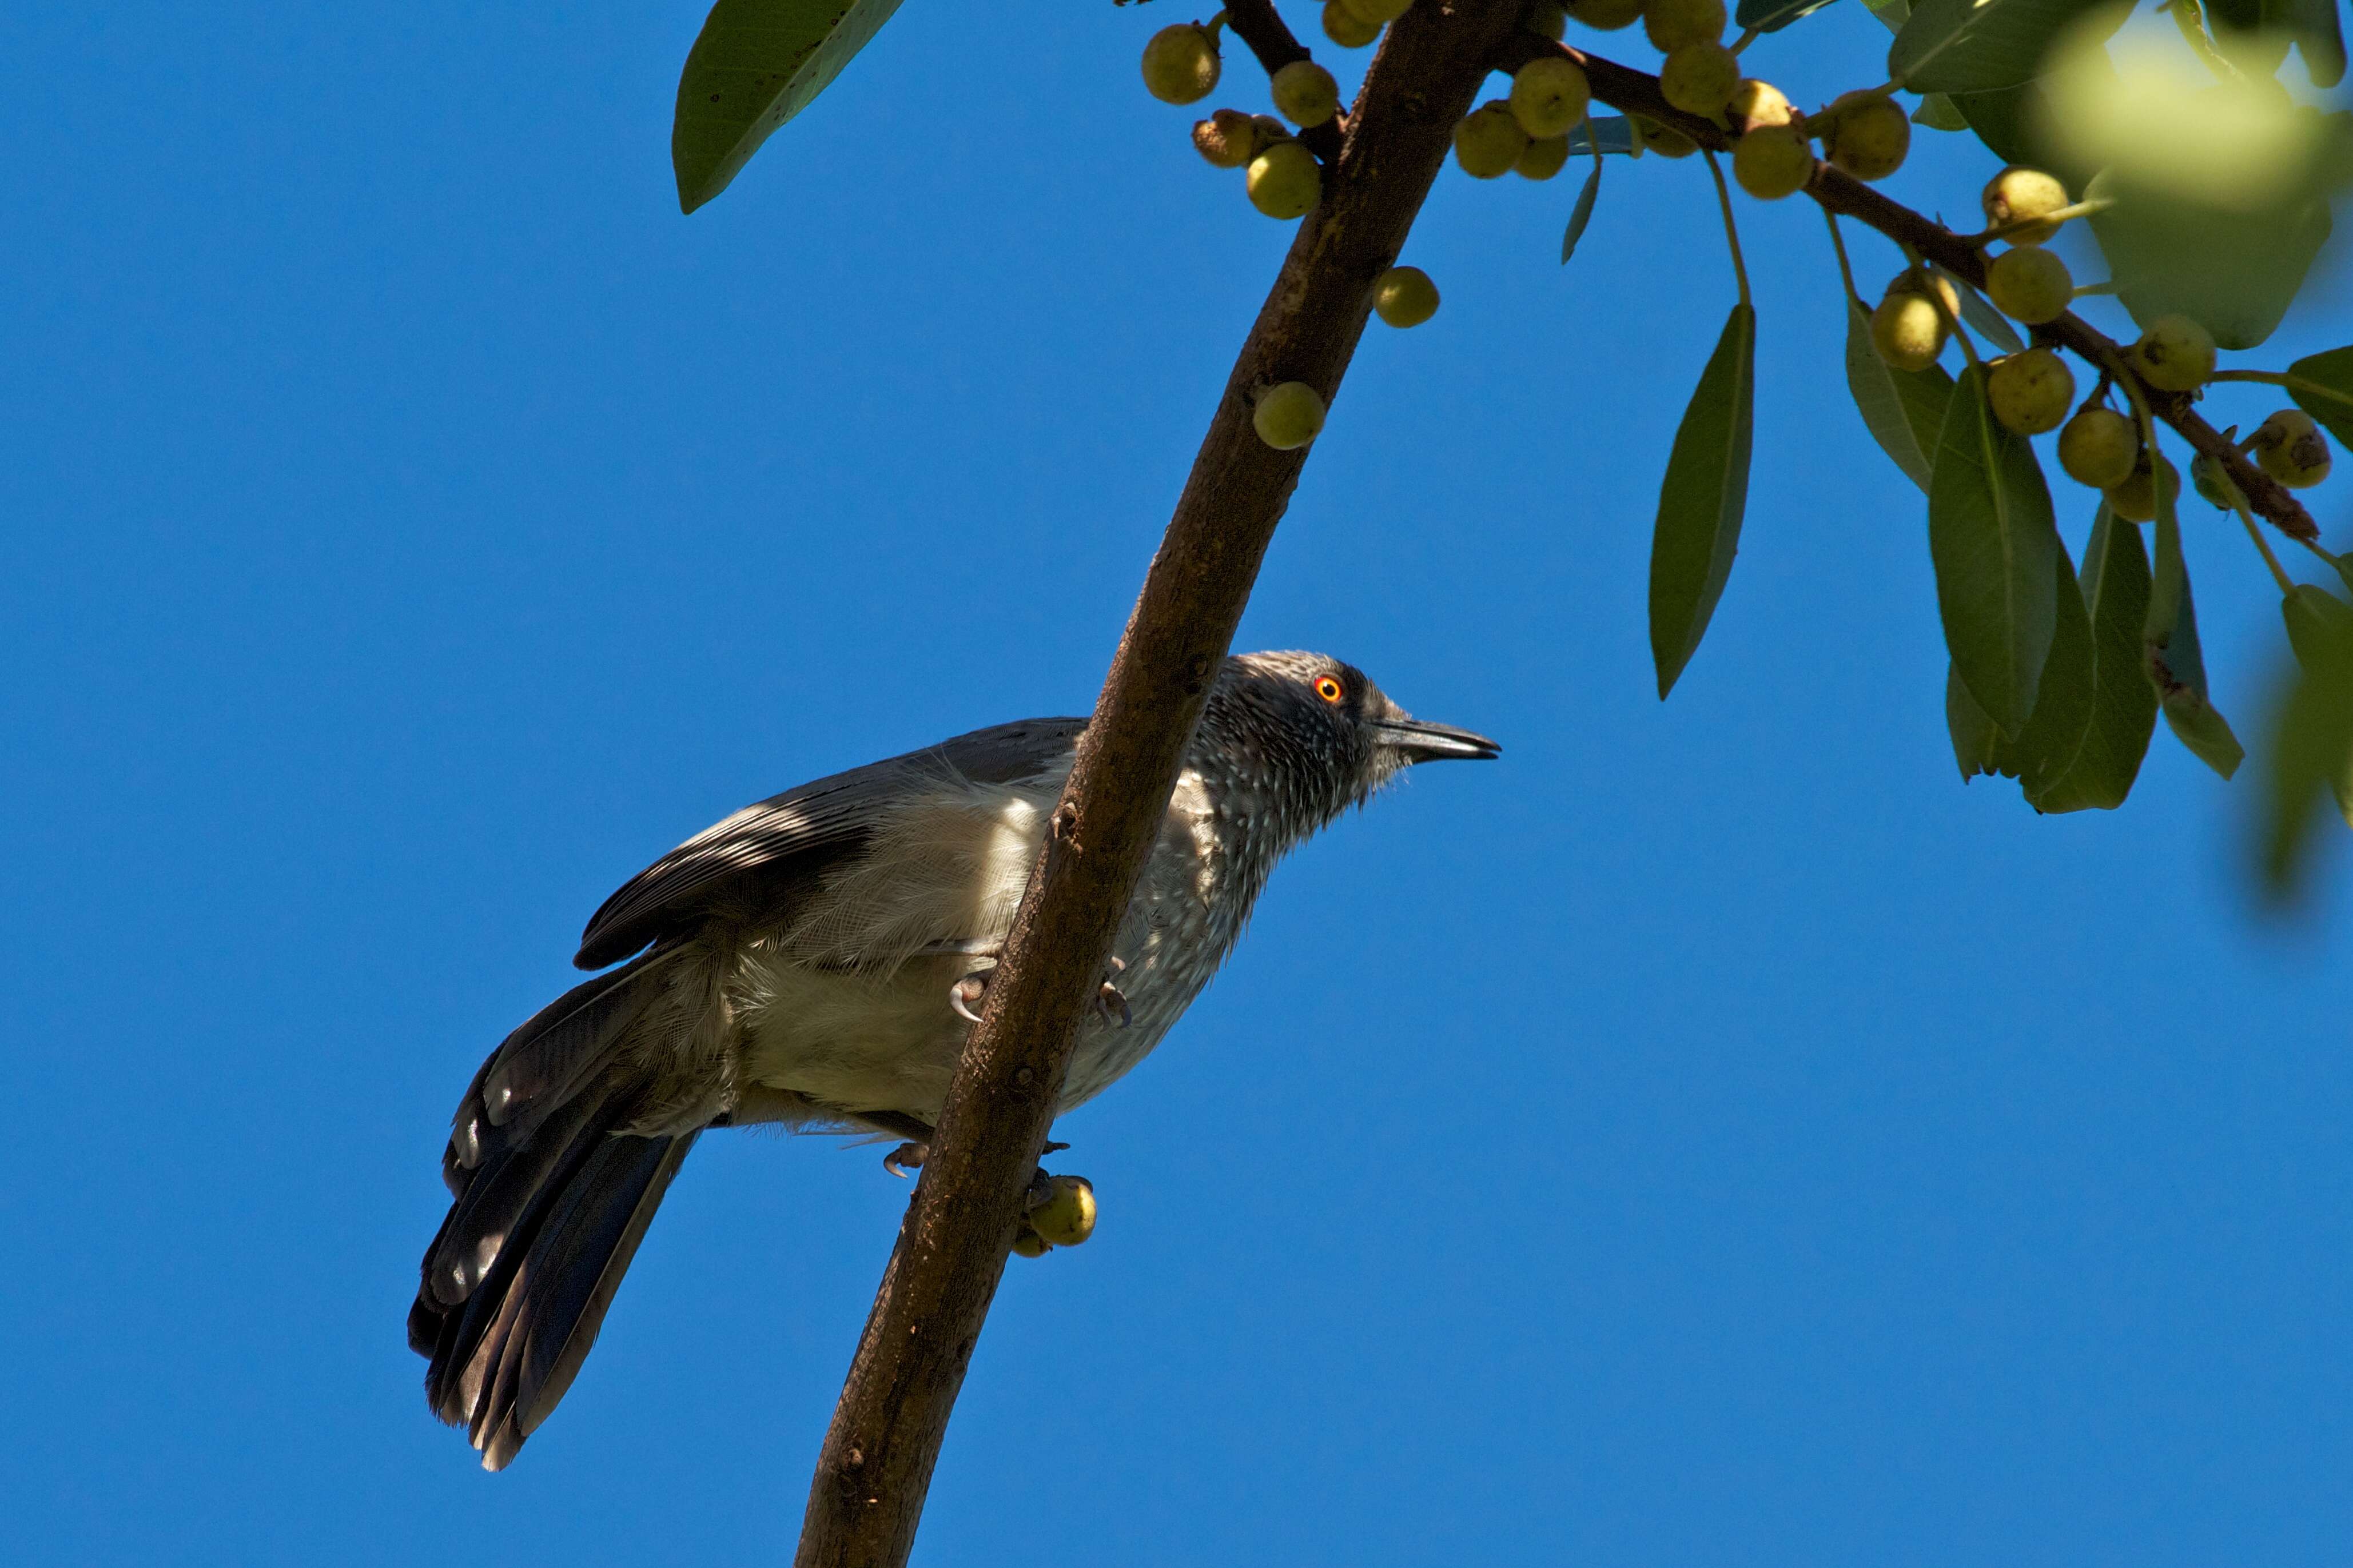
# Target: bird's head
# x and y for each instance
(1323, 736)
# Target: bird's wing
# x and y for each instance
(794, 836)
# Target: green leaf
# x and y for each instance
(2322, 384)
(1976, 46)
(1772, 16)
(756, 64)
(1702, 499)
(2311, 752)
(1580, 215)
(1892, 12)
(2047, 747)
(1614, 131)
(1994, 543)
(2235, 271)
(2312, 25)
(1989, 322)
(1938, 112)
(2176, 667)
(2115, 592)
(1903, 409)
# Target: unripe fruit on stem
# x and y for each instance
(1920, 280)
(1548, 20)
(2098, 448)
(1699, 79)
(1285, 181)
(1605, 16)
(1488, 141)
(2135, 500)
(1229, 139)
(1067, 1217)
(1288, 416)
(1379, 13)
(2018, 194)
(1756, 103)
(1543, 159)
(1868, 137)
(1305, 93)
(2030, 284)
(1030, 1244)
(1908, 331)
(2290, 448)
(1549, 95)
(1270, 131)
(1772, 162)
(2031, 391)
(1405, 297)
(1180, 64)
(1672, 24)
(1346, 28)
(1665, 140)
(2176, 355)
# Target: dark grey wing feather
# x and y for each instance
(799, 833)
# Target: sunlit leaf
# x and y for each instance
(2323, 384)
(756, 64)
(1974, 46)
(1903, 409)
(1772, 16)
(1702, 499)
(2176, 665)
(2115, 592)
(1580, 215)
(1995, 549)
(2311, 754)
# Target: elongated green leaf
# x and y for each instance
(1903, 409)
(2047, 747)
(1990, 323)
(1976, 46)
(1938, 112)
(2235, 270)
(756, 65)
(1614, 131)
(2323, 384)
(2311, 752)
(1580, 215)
(2176, 665)
(1702, 500)
(1772, 16)
(1995, 545)
(2114, 592)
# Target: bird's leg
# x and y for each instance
(918, 1133)
(1109, 1000)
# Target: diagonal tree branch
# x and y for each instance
(876, 1464)
(1637, 92)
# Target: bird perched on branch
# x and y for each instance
(816, 961)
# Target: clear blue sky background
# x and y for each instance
(1712, 1134)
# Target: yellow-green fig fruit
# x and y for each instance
(2030, 391)
(1908, 331)
(1028, 1243)
(1699, 79)
(1772, 162)
(1604, 15)
(1405, 297)
(1229, 139)
(2176, 355)
(1548, 97)
(2135, 500)
(2098, 448)
(1289, 416)
(2290, 448)
(1543, 159)
(1305, 93)
(1665, 140)
(1067, 1217)
(2030, 284)
(2018, 194)
(1672, 24)
(1549, 19)
(1346, 28)
(1488, 141)
(1180, 64)
(1379, 13)
(1285, 181)
(1756, 103)
(1868, 137)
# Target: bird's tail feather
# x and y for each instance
(548, 1210)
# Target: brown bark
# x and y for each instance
(876, 1464)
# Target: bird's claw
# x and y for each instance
(966, 992)
(906, 1157)
(1110, 999)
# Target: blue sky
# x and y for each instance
(1711, 1134)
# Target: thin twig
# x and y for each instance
(1254, 22)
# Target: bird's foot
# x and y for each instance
(964, 995)
(906, 1157)
(1109, 1000)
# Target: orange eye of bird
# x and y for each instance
(1327, 688)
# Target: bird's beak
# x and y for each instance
(1423, 743)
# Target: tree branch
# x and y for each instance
(1271, 40)
(1637, 92)
(876, 1464)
